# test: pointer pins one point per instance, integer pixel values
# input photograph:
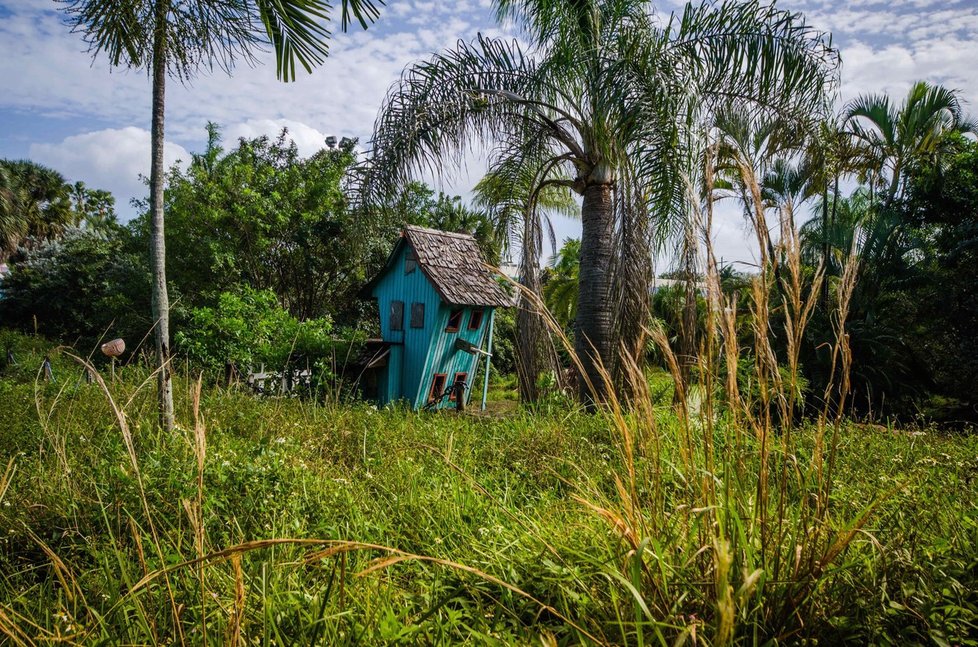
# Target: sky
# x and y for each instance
(63, 109)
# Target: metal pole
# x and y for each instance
(485, 385)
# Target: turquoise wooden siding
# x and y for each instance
(405, 372)
(417, 354)
(443, 356)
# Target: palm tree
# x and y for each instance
(831, 154)
(604, 95)
(99, 215)
(34, 203)
(895, 137)
(521, 210)
(560, 289)
(11, 225)
(752, 153)
(167, 37)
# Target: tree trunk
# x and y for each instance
(825, 242)
(532, 339)
(528, 326)
(632, 275)
(593, 339)
(687, 351)
(161, 301)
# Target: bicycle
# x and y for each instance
(458, 388)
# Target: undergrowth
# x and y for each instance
(278, 521)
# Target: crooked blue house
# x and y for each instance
(437, 300)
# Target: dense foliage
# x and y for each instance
(261, 215)
(37, 204)
(81, 288)
(247, 328)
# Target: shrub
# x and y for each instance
(79, 289)
(248, 327)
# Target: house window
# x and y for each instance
(437, 386)
(459, 377)
(410, 261)
(475, 319)
(454, 320)
(417, 315)
(397, 315)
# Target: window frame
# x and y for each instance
(417, 315)
(434, 394)
(455, 312)
(410, 261)
(481, 312)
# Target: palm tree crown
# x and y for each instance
(894, 137)
(604, 101)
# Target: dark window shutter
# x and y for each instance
(397, 315)
(417, 315)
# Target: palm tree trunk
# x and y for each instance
(161, 301)
(825, 241)
(593, 339)
(534, 350)
(529, 331)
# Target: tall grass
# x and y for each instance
(726, 519)
(284, 522)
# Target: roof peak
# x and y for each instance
(453, 264)
(438, 232)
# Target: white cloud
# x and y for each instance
(45, 70)
(307, 139)
(886, 45)
(111, 159)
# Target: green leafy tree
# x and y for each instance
(170, 38)
(603, 105)
(942, 207)
(248, 328)
(81, 288)
(261, 215)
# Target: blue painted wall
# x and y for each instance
(417, 354)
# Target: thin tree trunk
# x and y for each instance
(534, 352)
(825, 241)
(687, 320)
(632, 275)
(592, 340)
(161, 301)
(528, 338)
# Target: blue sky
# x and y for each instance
(61, 108)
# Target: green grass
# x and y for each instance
(506, 523)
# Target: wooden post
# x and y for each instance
(459, 388)
(230, 374)
(485, 384)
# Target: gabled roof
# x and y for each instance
(453, 264)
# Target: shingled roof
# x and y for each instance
(454, 265)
